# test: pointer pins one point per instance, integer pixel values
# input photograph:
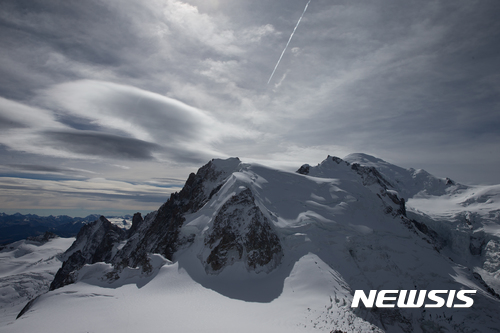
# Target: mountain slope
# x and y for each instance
(26, 269)
(247, 247)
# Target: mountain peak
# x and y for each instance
(363, 159)
(228, 165)
(257, 234)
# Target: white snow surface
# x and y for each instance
(337, 237)
(173, 301)
(26, 271)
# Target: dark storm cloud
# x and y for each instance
(101, 144)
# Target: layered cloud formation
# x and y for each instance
(133, 91)
(92, 119)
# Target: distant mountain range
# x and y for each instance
(18, 226)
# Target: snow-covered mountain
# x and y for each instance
(27, 268)
(249, 248)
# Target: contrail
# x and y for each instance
(289, 39)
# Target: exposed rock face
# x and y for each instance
(66, 274)
(304, 169)
(432, 236)
(94, 243)
(136, 222)
(490, 290)
(476, 245)
(370, 175)
(158, 232)
(241, 232)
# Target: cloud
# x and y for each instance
(100, 144)
(97, 119)
(181, 131)
(17, 115)
(43, 169)
(139, 113)
(386, 78)
(8, 123)
(133, 89)
(185, 19)
(92, 194)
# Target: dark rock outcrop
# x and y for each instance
(370, 175)
(158, 232)
(161, 231)
(490, 290)
(66, 274)
(476, 245)
(94, 243)
(27, 307)
(241, 232)
(304, 169)
(433, 237)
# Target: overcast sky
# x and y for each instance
(107, 106)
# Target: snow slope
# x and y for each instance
(289, 251)
(26, 270)
(173, 301)
(466, 217)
